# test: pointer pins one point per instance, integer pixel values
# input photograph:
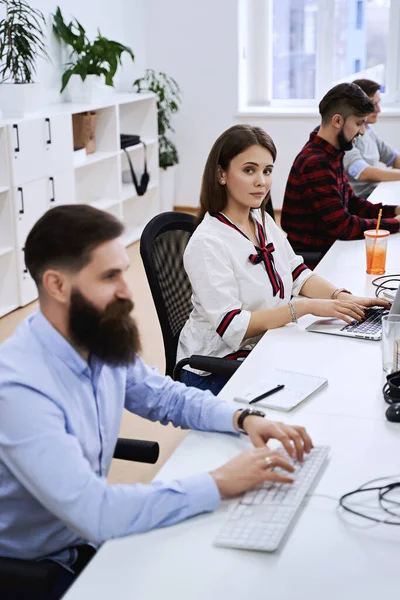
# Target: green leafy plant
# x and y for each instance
(100, 57)
(21, 41)
(168, 100)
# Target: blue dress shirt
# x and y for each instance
(59, 423)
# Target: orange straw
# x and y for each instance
(378, 221)
(376, 233)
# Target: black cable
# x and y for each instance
(385, 279)
(383, 491)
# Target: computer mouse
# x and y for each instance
(393, 413)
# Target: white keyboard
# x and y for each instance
(261, 517)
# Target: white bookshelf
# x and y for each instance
(43, 171)
(9, 295)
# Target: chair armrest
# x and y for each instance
(137, 450)
(211, 364)
(38, 576)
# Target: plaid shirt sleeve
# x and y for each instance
(335, 211)
(367, 210)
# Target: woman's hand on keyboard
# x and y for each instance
(365, 302)
(249, 469)
(347, 310)
(293, 438)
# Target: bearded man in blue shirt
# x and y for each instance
(66, 375)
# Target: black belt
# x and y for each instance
(85, 555)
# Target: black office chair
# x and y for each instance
(35, 578)
(162, 245)
(311, 258)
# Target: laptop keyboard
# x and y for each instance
(370, 324)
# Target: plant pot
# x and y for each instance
(93, 89)
(167, 189)
(81, 92)
(17, 99)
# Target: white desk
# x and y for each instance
(387, 192)
(326, 555)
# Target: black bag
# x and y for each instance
(128, 140)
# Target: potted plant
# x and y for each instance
(168, 100)
(21, 43)
(87, 60)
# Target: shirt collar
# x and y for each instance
(57, 345)
(326, 146)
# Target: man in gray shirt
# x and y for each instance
(362, 163)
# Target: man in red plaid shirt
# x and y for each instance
(320, 206)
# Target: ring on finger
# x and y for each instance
(268, 462)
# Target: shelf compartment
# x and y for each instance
(137, 211)
(139, 118)
(104, 203)
(98, 182)
(128, 190)
(148, 141)
(94, 158)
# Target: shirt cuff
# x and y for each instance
(357, 167)
(202, 493)
(392, 159)
(221, 416)
(234, 333)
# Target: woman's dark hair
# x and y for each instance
(233, 141)
(368, 86)
(345, 99)
(65, 236)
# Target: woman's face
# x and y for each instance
(248, 178)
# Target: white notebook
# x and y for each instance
(298, 387)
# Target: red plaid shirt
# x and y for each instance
(320, 206)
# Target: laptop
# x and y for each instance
(370, 328)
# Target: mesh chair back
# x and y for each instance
(162, 245)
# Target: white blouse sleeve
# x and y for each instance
(215, 290)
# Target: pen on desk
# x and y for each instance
(265, 394)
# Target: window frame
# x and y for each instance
(255, 56)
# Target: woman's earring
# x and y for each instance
(222, 182)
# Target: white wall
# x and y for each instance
(121, 20)
(197, 44)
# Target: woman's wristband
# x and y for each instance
(335, 293)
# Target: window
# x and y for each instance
(360, 14)
(294, 48)
(293, 51)
(361, 51)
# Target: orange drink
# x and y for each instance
(375, 245)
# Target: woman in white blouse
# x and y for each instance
(243, 270)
